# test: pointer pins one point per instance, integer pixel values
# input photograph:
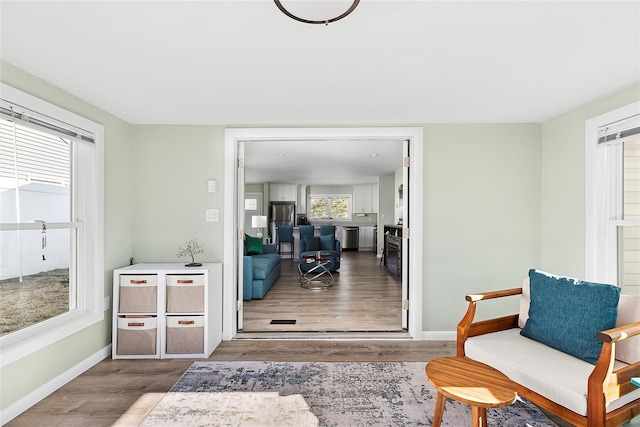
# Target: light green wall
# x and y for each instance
(254, 188)
(26, 375)
(563, 184)
(482, 214)
(386, 209)
(172, 167)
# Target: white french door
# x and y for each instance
(406, 243)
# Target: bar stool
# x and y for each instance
(285, 235)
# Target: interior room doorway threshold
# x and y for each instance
(324, 335)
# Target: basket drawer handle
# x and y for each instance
(186, 322)
(137, 282)
(185, 281)
(135, 324)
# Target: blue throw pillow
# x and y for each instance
(567, 314)
(327, 242)
(312, 243)
(253, 245)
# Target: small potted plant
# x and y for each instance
(192, 248)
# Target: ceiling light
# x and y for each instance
(317, 11)
(374, 155)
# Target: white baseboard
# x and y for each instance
(437, 336)
(45, 390)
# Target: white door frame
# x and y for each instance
(232, 238)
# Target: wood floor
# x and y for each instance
(364, 297)
(122, 392)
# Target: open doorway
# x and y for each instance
(411, 303)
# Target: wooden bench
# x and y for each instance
(608, 381)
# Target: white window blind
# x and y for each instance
(619, 131)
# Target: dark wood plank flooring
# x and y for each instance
(364, 297)
(122, 392)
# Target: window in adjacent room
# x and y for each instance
(52, 279)
(336, 207)
(250, 204)
(613, 198)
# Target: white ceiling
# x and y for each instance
(322, 162)
(244, 63)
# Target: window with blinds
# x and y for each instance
(37, 235)
(616, 206)
(51, 228)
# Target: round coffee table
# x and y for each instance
(319, 277)
(471, 382)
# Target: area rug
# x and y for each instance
(315, 393)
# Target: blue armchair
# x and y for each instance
(305, 230)
(325, 244)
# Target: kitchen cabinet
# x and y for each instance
(365, 242)
(365, 198)
(283, 192)
(166, 311)
(301, 206)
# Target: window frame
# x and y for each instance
(88, 188)
(603, 190)
(330, 197)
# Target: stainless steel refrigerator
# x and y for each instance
(283, 213)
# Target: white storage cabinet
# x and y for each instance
(283, 193)
(365, 198)
(166, 311)
(365, 242)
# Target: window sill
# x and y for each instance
(22, 343)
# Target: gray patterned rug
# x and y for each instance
(325, 394)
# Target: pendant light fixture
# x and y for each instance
(317, 11)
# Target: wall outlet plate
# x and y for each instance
(212, 215)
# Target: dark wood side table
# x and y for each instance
(471, 382)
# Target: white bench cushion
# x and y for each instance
(553, 374)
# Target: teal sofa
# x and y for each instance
(260, 271)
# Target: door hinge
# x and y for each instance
(405, 233)
(240, 234)
(405, 304)
(240, 305)
(406, 162)
(240, 163)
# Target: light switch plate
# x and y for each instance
(212, 215)
(211, 186)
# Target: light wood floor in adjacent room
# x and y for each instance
(364, 297)
(122, 392)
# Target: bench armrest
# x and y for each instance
(468, 328)
(493, 294)
(620, 333)
(606, 384)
